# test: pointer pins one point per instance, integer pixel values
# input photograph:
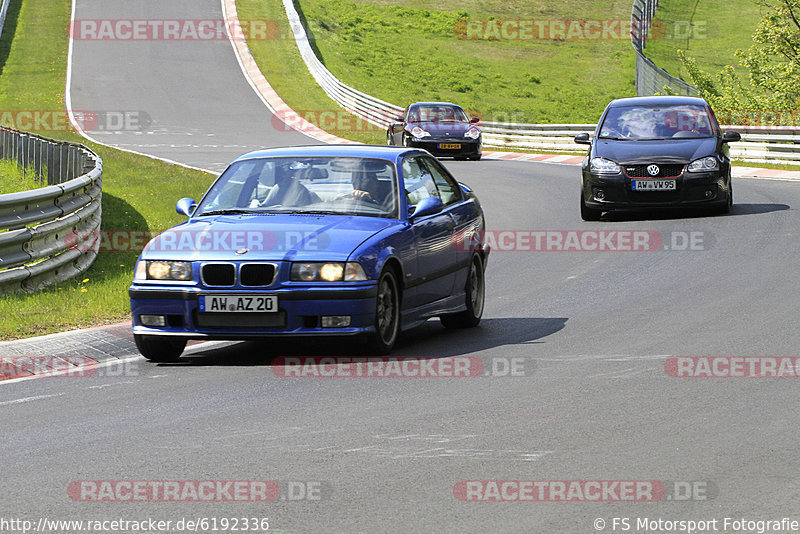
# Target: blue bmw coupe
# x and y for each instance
(344, 240)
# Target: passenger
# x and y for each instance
(287, 191)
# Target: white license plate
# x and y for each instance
(239, 303)
(653, 185)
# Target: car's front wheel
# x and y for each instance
(160, 349)
(476, 296)
(589, 214)
(728, 205)
(387, 314)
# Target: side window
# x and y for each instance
(449, 190)
(418, 181)
(228, 192)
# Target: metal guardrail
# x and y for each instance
(3, 12)
(759, 144)
(651, 79)
(48, 235)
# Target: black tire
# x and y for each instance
(387, 315)
(476, 298)
(589, 214)
(476, 158)
(727, 207)
(161, 349)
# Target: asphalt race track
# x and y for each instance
(589, 334)
(172, 91)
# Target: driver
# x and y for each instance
(287, 190)
(366, 187)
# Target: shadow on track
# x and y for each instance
(664, 214)
(430, 340)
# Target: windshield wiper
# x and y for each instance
(230, 211)
(323, 212)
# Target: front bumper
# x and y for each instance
(467, 147)
(606, 192)
(299, 312)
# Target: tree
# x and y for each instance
(773, 69)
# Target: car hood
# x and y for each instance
(441, 128)
(661, 151)
(275, 237)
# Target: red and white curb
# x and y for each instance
(765, 174)
(74, 353)
(264, 90)
(563, 159)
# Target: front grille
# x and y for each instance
(256, 274)
(219, 274)
(664, 171)
(240, 320)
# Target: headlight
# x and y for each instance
(327, 272)
(704, 165)
(603, 166)
(416, 131)
(163, 270)
(472, 133)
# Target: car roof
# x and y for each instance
(434, 104)
(658, 101)
(391, 153)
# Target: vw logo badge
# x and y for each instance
(653, 170)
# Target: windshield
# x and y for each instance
(330, 185)
(657, 122)
(434, 113)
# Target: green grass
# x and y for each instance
(410, 52)
(718, 29)
(14, 179)
(139, 193)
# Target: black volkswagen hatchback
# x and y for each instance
(659, 151)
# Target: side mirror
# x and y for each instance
(465, 188)
(731, 137)
(474, 120)
(186, 206)
(583, 139)
(427, 206)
